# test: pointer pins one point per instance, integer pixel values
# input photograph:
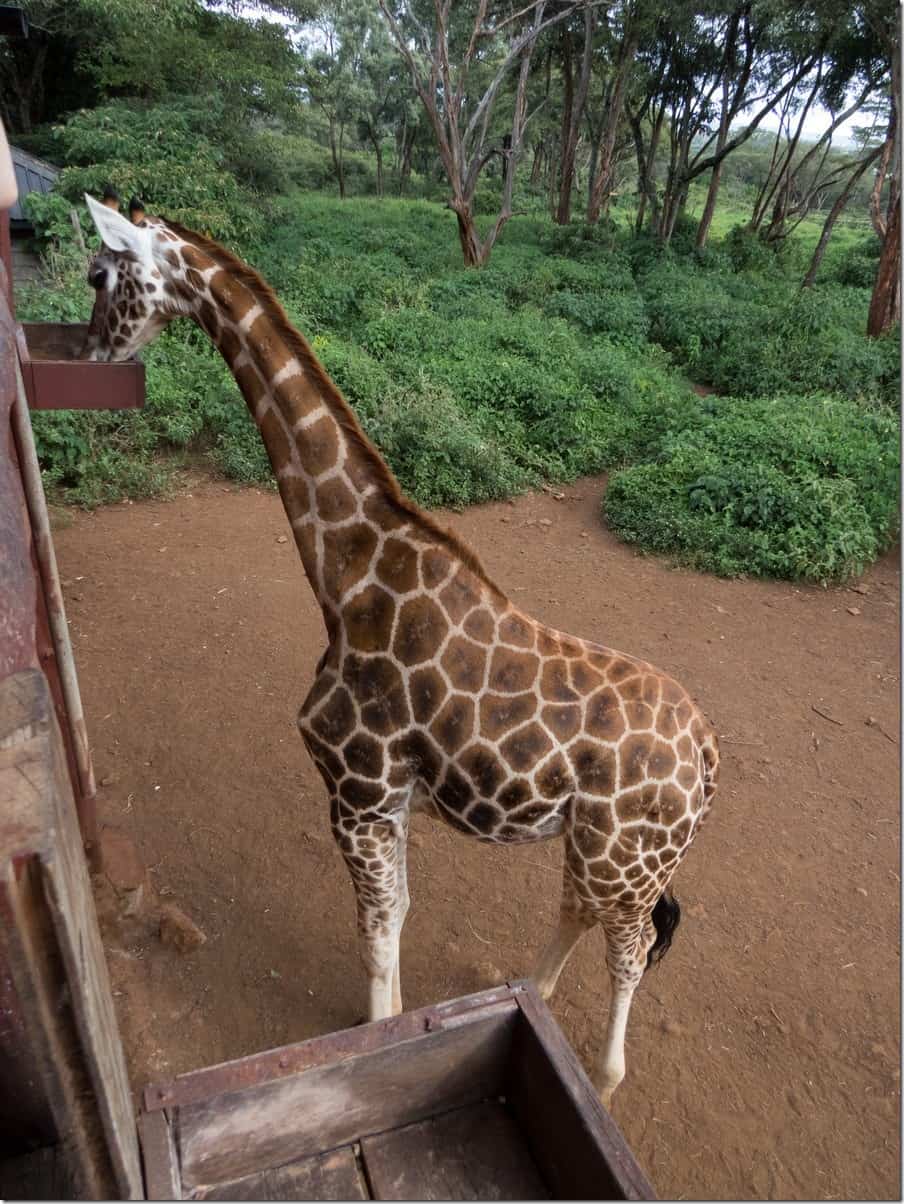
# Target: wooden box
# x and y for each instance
(480, 1098)
(56, 378)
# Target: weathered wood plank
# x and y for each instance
(335, 1104)
(331, 1176)
(576, 1143)
(195, 1086)
(473, 1153)
(161, 1171)
(51, 947)
(17, 578)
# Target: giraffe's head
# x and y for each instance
(130, 275)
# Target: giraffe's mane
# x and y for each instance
(340, 408)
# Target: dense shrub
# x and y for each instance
(800, 487)
(750, 333)
(855, 264)
(163, 154)
(565, 355)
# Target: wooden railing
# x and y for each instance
(67, 1128)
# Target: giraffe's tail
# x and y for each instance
(666, 915)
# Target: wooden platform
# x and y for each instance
(477, 1152)
(480, 1098)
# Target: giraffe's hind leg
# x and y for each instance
(599, 890)
(574, 920)
(375, 856)
(630, 934)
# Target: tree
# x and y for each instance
(381, 96)
(885, 303)
(81, 52)
(835, 212)
(48, 72)
(458, 67)
(328, 79)
(850, 73)
(575, 88)
(624, 27)
(703, 71)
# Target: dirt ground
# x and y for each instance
(763, 1053)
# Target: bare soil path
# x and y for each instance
(763, 1053)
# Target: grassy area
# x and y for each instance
(570, 353)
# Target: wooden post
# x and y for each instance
(27, 638)
(67, 1050)
(6, 255)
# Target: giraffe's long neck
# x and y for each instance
(340, 497)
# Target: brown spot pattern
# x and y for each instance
(368, 619)
(465, 664)
(397, 566)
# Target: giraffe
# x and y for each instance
(435, 693)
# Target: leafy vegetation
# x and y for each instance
(564, 356)
(571, 349)
(788, 486)
(749, 330)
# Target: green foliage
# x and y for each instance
(755, 331)
(800, 487)
(855, 264)
(161, 153)
(478, 384)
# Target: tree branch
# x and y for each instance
(518, 46)
(751, 128)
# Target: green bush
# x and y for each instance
(161, 153)
(752, 333)
(800, 487)
(566, 355)
(855, 264)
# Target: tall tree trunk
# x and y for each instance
(468, 236)
(672, 209)
(706, 218)
(715, 178)
(605, 165)
(378, 149)
(336, 155)
(834, 213)
(552, 177)
(566, 164)
(646, 157)
(572, 114)
(407, 151)
(536, 167)
(885, 304)
(591, 165)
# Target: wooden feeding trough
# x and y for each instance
(57, 378)
(480, 1098)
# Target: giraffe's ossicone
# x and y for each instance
(435, 692)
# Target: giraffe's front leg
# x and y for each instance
(375, 856)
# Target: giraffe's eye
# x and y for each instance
(96, 277)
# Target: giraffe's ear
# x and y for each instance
(116, 231)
